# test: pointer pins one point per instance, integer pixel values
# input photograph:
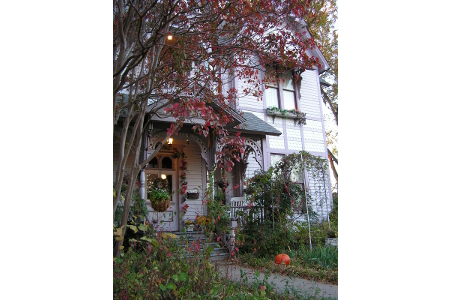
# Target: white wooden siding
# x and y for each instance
(247, 100)
(252, 166)
(310, 95)
(226, 85)
(194, 179)
(259, 115)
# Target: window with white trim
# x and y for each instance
(285, 99)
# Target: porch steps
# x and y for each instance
(219, 252)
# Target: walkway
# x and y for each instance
(306, 287)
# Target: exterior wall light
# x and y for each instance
(163, 176)
(170, 141)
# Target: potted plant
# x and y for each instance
(189, 225)
(203, 221)
(159, 199)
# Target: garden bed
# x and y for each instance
(319, 265)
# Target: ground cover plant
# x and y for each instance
(320, 264)
(158, 266)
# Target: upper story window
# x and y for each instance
(272, 95)
(287, 82)
(281, 94)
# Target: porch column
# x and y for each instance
(233, 224)
(142, 190)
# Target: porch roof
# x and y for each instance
(255, 125)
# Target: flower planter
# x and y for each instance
(299, 117)
(192, 195)
(189, 228)
(160, 205)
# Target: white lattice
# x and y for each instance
(314, 147)
(293, 134)
(276, 142)
(313, 125)
(295, 145)
(290, 123)
(313, 136)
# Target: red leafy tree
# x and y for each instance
(176, 59)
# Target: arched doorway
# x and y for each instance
(163, 166)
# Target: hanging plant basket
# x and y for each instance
(159, 199)
(160, 205)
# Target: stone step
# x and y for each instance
(191, 236)
(218, 253)
(219, 256)
(214, 256)
(216, 248)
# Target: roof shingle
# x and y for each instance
(255, 125)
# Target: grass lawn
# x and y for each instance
(320, 265)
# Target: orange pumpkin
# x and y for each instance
(285, 258)
(278, 259)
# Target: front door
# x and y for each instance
(168, 220)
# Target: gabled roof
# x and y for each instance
(255, 125)
(316, 51)
(237, 118)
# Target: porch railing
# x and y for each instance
(239, 212)
(240, 209)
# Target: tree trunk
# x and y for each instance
(134, 173)
(333, 159)
(328, 101)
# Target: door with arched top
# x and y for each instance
(163, 167)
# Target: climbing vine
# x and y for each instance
(183, 169)
(296, 165)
